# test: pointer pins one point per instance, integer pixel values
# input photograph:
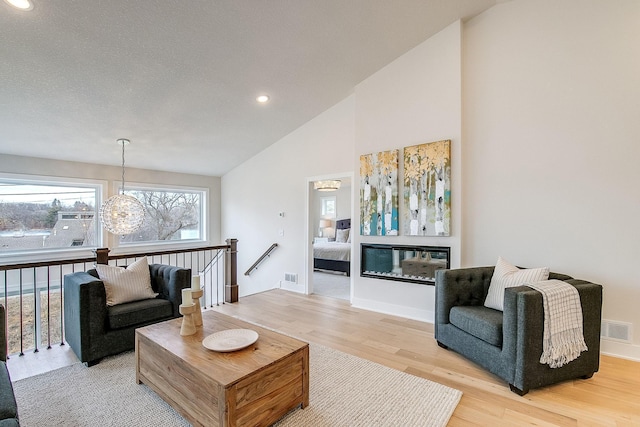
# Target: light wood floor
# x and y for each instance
(610, 398)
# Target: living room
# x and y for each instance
(539, 99)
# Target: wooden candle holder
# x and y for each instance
(197, 316)
(188, 327)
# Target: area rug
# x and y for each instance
(344, 391)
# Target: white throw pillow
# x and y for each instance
(126, 284)
(507, 275)
(342, 235)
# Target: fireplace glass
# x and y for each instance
(416, 264)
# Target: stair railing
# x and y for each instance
(264, 256)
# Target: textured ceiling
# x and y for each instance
(179, 78)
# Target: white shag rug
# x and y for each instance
(344, 391)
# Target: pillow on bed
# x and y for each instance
(342, 235)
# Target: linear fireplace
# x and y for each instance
(405, 263)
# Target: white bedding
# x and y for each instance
(332, 250)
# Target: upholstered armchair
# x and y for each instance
(509, 343)
(8, 405)
(95, 330)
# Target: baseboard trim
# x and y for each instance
(395, 310)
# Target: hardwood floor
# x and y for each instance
(610, 398)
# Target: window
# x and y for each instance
(328, 209)
(171, 215)
(46, 214)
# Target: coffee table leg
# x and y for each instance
(305, 377)
(137, 353)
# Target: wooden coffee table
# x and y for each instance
(254, 386)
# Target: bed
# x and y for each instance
(334, 256)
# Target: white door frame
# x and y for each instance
(310, 229)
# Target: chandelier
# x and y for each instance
(329, 185)
(122, 214)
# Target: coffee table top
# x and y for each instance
(224, 368)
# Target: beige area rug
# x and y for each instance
(345, 391)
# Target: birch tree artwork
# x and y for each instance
(379, 194)
(427, 189)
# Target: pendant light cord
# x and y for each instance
(122, 167)
(123, 142)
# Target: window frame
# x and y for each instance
(124, 247)
(47, 254)
(325, 212)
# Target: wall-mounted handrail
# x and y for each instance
(266, 254)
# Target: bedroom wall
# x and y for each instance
(343, 205)
(551, 134)
(110, 174)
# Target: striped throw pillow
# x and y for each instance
(507, 275)
(126, 284)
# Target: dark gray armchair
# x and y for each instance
(95, 330)
(8, 405)
(509, 343)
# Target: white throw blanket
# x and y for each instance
(563, 334)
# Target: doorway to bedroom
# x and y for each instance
(330, 210)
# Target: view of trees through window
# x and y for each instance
(34, 216)
(169, 215)
(52, 217)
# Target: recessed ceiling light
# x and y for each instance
(20, 4)
(262, 99)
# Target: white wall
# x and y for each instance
(414, 100)
(276, 180)
(540, 100)
(552, 142)
(113, 177)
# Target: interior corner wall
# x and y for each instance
(413, 100)
(545, 94)
(276, 180)
(551, 148)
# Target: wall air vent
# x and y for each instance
(291, 277)
(618, 331)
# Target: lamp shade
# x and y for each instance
(329, 185)
(122, 214)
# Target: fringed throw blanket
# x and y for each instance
(563, 336)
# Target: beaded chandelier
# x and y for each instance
(122, 214)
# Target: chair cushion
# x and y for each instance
(139, 312)
(507, 275)
(8, 406)
(126, 284)
(481, 322)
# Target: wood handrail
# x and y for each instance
(262, 258)
(100, 252)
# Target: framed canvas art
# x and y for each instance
(379, 194)
(427, 189)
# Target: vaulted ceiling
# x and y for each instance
(180, 78)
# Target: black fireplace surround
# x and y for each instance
(404, 263)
